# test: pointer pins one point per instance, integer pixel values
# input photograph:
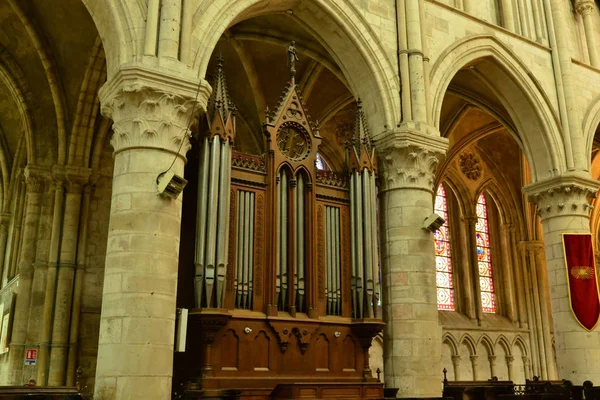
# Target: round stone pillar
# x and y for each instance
(413, 337)
(151, 113)
(563, 205)
(32, 209)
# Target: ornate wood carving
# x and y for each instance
(248, 162)
(304, 335)
(330, 178)
(284, 334)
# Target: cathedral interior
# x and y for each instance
(281, 199)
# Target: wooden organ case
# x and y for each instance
(286, 262)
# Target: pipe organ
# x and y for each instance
(286, 260)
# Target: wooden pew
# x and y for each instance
(537, 389)
(39, 393)
(591, 392)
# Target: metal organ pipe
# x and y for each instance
(222, 219)
(212, 224)
(278, 246)
(365, 258)
(375, 241)
(246, 258)
(211, 227)
(359, 243)
(240, 247)
(368, 246)
(337, 265)
(203, 184)
(250, 249)
(300, 240)
(328, 262)
(283, 241)
(354, 249)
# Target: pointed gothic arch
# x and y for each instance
(360, 54)
(510, 81)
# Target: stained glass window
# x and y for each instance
(443, 257)
(484, 257)
(321, 163)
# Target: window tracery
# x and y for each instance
(443, 255)
(484, 257)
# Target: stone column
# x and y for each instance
(4, 223)
(527, 366)
(50, 290)
(35, 186)
(492, 360)
(507, 273)
(66, 275)
(537, 312)
(413, 337)
(511, 367)
(474, 363)
(456, 366)
(533, 336)
(563, 205)
(545, 311)
(508, 17)
(466, 269)
(471, 222)
(151, 112)
(585, 8)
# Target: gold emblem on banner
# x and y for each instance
(582, 272)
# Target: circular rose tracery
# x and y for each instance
(293, 141)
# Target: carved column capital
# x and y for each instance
(74, 179)
(35, 178)
(584, 7)
(510, 360)
(455, 359)
(474, 360)
(507, 227)
(567, 195)
(492, 360)
(152, 109)
(470, 220)
(409, 159)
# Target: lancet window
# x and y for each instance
(484, 257)
(443, 255)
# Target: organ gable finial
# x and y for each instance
(221, 110)
(362, 153)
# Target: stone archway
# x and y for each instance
(341, 29)
(535, 124)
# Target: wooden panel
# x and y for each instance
(336, 393)
(261, 352)
(348, 354)
(230, 351)
(322, 353)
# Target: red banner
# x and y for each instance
(581, 278)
